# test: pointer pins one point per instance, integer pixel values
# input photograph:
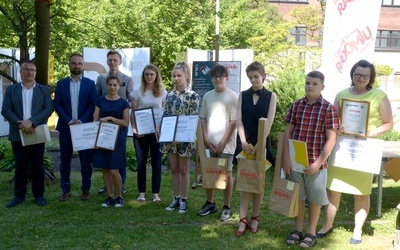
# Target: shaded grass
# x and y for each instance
(77, 224)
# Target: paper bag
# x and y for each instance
(214, 172)
(392, 167)
(284, 198)
(250, 176)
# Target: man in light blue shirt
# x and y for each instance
(74, 103)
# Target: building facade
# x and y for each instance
(387, 44)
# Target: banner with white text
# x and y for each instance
(349, 36)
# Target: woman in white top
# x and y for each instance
(151, 94)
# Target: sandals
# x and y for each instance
(292, 239)
(156, 198)
(142, 197)
(246, 225)
(253, 229)
(305, 243)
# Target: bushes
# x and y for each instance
(288, 87)
(7, 162)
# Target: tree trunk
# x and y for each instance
(42, 15)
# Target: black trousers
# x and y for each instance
(24, 156)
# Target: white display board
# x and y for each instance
(133, 62)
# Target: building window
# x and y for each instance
(386, 39)
(299, 35)
(391, 2)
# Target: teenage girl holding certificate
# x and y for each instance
(114, 109)
(182, 100)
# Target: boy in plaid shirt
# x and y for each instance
(313, 120)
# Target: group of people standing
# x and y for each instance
(229, 124)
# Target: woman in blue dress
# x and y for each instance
(113, 109)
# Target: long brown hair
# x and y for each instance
(158, 86)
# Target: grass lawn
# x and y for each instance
(77, 224)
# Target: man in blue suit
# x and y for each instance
(74, 103)
(25, 106)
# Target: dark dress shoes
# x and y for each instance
(15, 202)
(64, 197)
(41, 201)
(85, 196)
(323, 235)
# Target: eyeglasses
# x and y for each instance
(29, 70)
(365, 77)
(218, 77)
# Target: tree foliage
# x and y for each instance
(287, 82)
(312, 19)
(167, 27)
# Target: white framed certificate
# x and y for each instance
(354, 116)
(107, 136)
(361, 154)
(168, 128)
(84, 135)
(186, 128)
(144, 119)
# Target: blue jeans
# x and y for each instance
(142, 147)
(85, 157)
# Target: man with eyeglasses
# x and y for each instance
(218, 123)
(74, 103)
(25, 106)
(114, 60)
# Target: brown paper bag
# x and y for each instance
(214, 171)
(392, 168)
(250, 176)
(284, 198)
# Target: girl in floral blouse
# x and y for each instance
(182, 100)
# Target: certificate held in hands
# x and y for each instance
(298, 155)
(41, 135)
(145, 123)
(168, 128)
(180, 128)
(354, 117)
(107, 136)
(186, 128)
(83, 136)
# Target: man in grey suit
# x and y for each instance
(114, 60)
(26, 105)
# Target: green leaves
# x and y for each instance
(167, 27)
